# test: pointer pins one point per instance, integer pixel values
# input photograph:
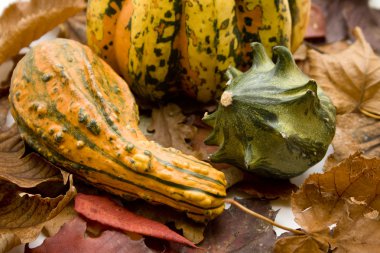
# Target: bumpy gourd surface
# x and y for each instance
(272, 119)
(162, 47)
(78, 113)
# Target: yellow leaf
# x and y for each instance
(22, 23)
(350, 78)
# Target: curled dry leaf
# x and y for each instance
(347, 197)
(72, 238)
(22, 23)
(25, 171)
(170, 129)
(354, 132)
(28, 171)
(350, 78)
(23, 216)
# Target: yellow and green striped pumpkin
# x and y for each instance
(162, 47)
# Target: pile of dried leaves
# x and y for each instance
(336, 210)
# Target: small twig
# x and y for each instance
(261, 217)
(312, 46)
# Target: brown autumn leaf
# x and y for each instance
(356, 13)
(267, 188)
(354, 131)
(6, 70)
(339, 208)
(24, 22)
(301, 244)
(23, 215)
(170, 129)
(351, 78)
(4, 108)
(236, 231)
(28, 171)
(344, 15)
(75, 28)
(73, 238)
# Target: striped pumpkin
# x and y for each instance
(162, 47)
(72, 108)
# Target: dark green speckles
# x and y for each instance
(224, 24)
(93, 127)
(82, 116)
(147, 153)
(110, 11)
(129, 147)
(46, 77)
(17, 95)
(58, 137)
(168, 14)
(116, 89)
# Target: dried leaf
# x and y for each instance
(10, 140)
(335, 47)
(317, 23)
(51, 227)
(301, 244)
(4, 108)
(347, 197)
(350, 78)
(355, 13)
(170, 129)
(22, 23)
(336, 28)
(75, 28)
(236, 231)
(28, 171)
(6, 70)
(354, 131)
(107, 212)
(23, 216)
(267, 188)
(8, 241)
(72, 238)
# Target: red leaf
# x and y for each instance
(72, 238)
(107, 212)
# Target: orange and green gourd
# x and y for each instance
(73, 109)
(272, 119)
(165, 47)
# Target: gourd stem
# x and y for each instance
(261, 217)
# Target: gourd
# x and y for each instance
(167, 47)
(72, 108)
(272, 119)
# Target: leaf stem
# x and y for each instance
(261, 217)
